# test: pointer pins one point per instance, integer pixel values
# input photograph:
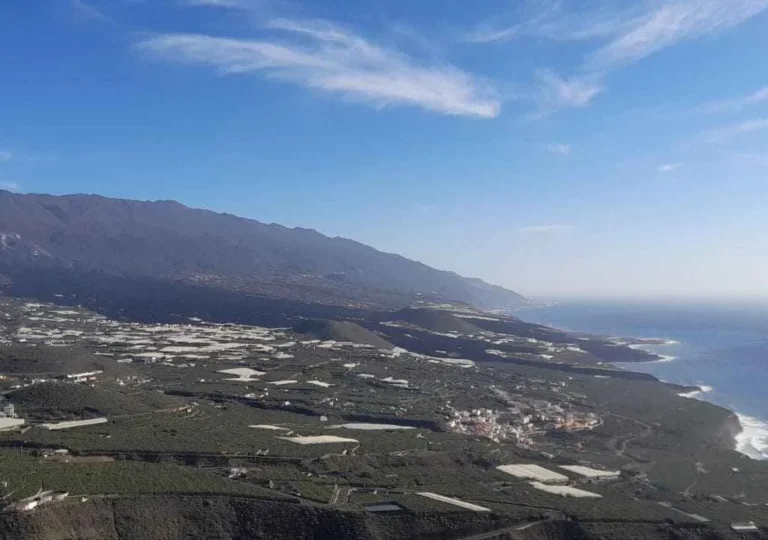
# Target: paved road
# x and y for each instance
(334, 495)
(696, 517)
(506, 530)
(619, 444)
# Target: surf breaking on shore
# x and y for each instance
(649, 345)
(663, 358)
(696, 394)
(753, 439)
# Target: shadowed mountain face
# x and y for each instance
(166, 240)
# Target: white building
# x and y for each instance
(745, 527)
(9, 411)
(73, 424)
(534, 472)
(588, 472)
(88, 375)
(7, 424)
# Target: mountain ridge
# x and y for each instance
(168, 240)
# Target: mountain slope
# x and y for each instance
(435, 320)
(77, 400)
(342, 331)
(167, 240)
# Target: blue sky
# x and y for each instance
(557, 147)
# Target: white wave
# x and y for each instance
(639, 343)
(651, 349)
(696, 394)
(664, 359)
(753, 439)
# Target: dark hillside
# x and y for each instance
(52, 361)
(517, 327)
(597, 345)
(62, 400)
(342, 331)
(167, 240)
(230, 518)
(435, 320)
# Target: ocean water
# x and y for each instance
(721, 347)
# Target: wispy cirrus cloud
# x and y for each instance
(626, 32)
(6, 155)
(88, 11)
(665, 168)
(489, 34)
(553, 19)
(738, 103)
(323, 56)
(724, 133)
(262, 8)
(560, 149)
(556, 92)
(670, 23)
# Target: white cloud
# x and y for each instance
(9, 186)
(723, 133)
(669, 167)
(561, 149)
(5, 155)
(671, 22)
(261, 7)
(545, 229)
(84, 9)
(323, 56)
(625, 32)
(556, 92)
(489, 34)
(737, 104)
(552, 19)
